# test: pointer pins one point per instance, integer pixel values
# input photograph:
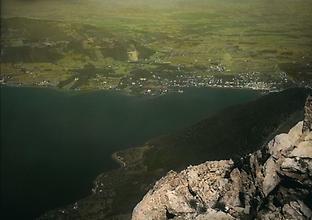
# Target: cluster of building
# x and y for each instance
(156, 84)
(162, 82)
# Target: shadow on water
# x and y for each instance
(53, 143)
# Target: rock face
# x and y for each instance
(272, 183)
(307, 123)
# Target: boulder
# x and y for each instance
(271, 178)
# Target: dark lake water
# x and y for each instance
(54, 143)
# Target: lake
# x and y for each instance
(54, 143)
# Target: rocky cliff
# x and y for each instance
(274, 182)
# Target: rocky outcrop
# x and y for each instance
(272, 183)
(307, 123)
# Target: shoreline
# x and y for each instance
(129, 93)
(118, 159)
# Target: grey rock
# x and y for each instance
(296, 210)
(275, 183)
(307, 122)
(303, 150)
(271, 178)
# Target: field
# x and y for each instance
(153, 47)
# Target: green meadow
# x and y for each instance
(45, 42)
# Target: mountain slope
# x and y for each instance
(275, 182)
(230, 133)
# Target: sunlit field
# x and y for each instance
(146, 46)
